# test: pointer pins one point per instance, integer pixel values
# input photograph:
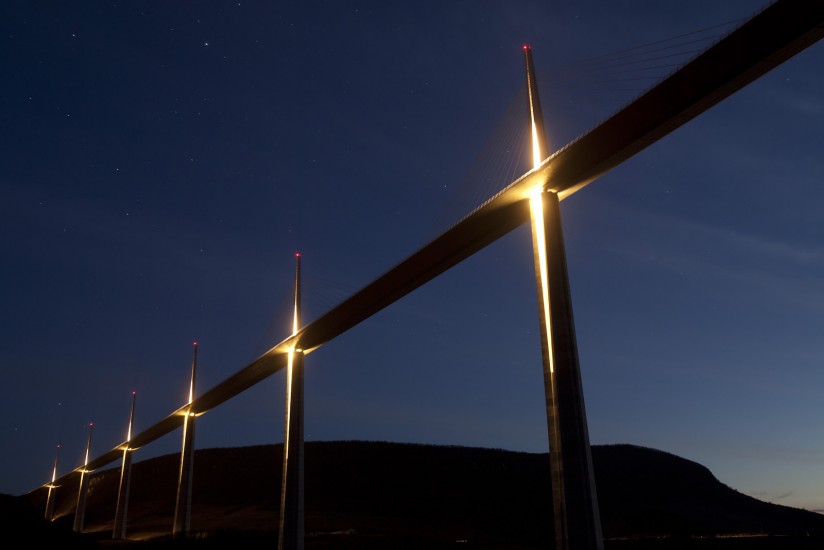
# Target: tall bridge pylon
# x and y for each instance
(83, 489)
(291, 527)
(575, 502)
(122, 508)
(183, 503)
(52, 494)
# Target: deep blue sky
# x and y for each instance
(161, 163)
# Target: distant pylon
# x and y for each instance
(183, 504)
(122, 507)
(575, 503)
(291, 529)
(51, 495)
(80, 509)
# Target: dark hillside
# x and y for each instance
(650, 492)
(381, 492)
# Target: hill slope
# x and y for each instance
(433, 493)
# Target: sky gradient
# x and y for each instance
(161, 164)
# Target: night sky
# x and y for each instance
(162, 162)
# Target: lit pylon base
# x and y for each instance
(80, 510)
(183, 504)
(122, 509)
(291, 529)
(50, 497)
(577, 518)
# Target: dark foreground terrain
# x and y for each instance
(389, 495)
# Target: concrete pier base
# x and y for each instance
(577, 518)
(122, 510)
(183, 503)
(291, 499)
(80, 509)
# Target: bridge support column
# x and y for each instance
(52, 494)
(50, 497)
(122, 510)
(80, 509)
(577, 518)
(291, 528)
(183, 503)
(83, 490)
(291, 532)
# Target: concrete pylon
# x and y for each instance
(291, 528)
(122, 507)
(183, 504)
(83, 490)
(52, 494)
(575, 502)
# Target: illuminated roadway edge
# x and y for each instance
(765, 41)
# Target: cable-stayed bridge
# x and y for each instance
(769, 38)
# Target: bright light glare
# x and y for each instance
(536, 147)
(88, 445)
(295, 321)
(539, 230)
(289, 366)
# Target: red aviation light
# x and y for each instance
(527, 47)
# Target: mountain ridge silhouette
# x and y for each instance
(409, 491)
